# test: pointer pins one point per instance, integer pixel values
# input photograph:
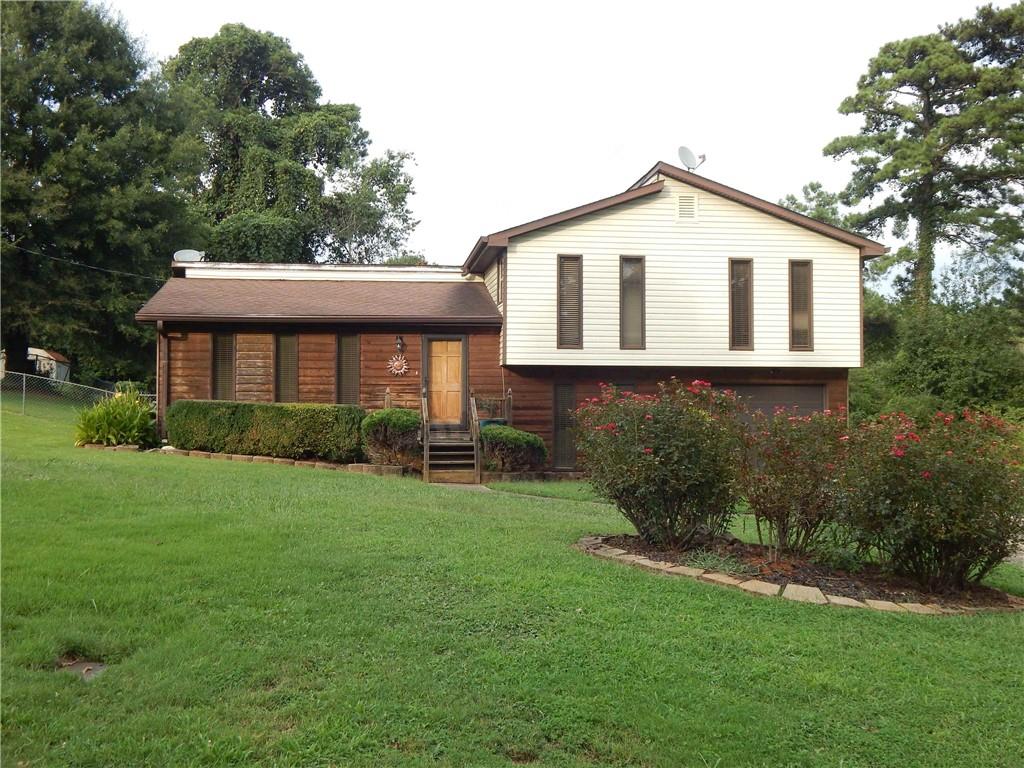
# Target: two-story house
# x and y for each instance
(678, 275)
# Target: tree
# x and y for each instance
(287, 178)
(93, 169)
(941, 149)
(818, 203)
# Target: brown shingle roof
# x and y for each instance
(318, 301)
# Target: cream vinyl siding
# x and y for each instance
(687, 286)
(491, 281)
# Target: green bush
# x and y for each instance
(791, 476)
(124, 418)
(286, 430)
(942, 502)
(391, 436)
(669, 461)
(507, 449)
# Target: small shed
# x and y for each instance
(51, 364)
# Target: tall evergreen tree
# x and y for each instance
(287, 178)
(941, 150)
(93, 169)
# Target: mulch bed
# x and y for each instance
(871, 582)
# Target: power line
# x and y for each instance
(86, 266)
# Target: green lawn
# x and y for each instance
(270, 615)
(575, 490)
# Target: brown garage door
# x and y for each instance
(807, 398)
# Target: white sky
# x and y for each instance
(524, 109)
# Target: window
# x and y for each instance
(348, 370)
(801, 319)
(564, 438)
(631, 302)
(570, 302)
(286, 368)
(223, 384)
(741, 300)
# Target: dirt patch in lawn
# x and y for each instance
(84, 668)
(871, 582)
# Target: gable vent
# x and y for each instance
(687, 210)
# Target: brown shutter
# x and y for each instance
(741, 300)
(801, 321)
(570, 302)
(223, 366)
(564, 439)
(348, 370)
(631, 302)
(286, 368)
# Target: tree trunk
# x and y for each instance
(924, 265)
(16, 349)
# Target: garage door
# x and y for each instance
(807, 398)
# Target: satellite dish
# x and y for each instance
(189, 255)
(689, 160)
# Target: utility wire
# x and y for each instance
(85, 266)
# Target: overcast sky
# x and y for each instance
(524, 109)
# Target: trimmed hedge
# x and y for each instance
(507, 449)
(285, 430)
(391, 436)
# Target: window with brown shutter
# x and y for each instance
(570, 302)
(223, 368)
(801, 318)
(348, 369)
(286, 368)
(741, 304)
(631, 302)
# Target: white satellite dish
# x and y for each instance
(689, 160)
(189, 255)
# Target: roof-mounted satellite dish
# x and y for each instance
(689, 160)
(189, 255)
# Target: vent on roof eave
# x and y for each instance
(687, 208)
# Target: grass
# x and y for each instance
(574, 490)
(269, 615)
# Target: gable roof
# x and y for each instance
(321, 301)
(488, 246)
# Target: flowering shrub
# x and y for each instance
(123, 418)
(790, 479)
(669, 461)
(942, 502)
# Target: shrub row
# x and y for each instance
(391, 436)
(293, 431)
(941, 501)
(506, 449)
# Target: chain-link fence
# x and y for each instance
(30, 395)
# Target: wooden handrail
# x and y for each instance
(474, 430)
(425, 416)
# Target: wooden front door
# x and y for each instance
(444, 389)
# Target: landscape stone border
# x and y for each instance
(597, 547)
(367, 469)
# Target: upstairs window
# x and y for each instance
(631, 302)
(801, 304)
(741, 301)
(348, 370)
(223, 370)
(286, 368)
(570, 302)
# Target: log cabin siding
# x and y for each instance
(190, 357)
(318, 365)
(375, 349)
(254, 367)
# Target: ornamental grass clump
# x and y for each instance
(941, 502)
(669, 461)
(791, 477)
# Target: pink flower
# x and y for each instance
(899, 453)
(913, 436)
(844, 438)
(649, 417)
(648, 450)
(926, 475)
(900, 437)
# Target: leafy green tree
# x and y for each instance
(93, 172)
(941, 148)
(818, 203)
(287, 178)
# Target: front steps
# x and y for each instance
(452, 457)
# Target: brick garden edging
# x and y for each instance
(596, 546)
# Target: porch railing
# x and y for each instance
(474, 431)
(425, 413)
